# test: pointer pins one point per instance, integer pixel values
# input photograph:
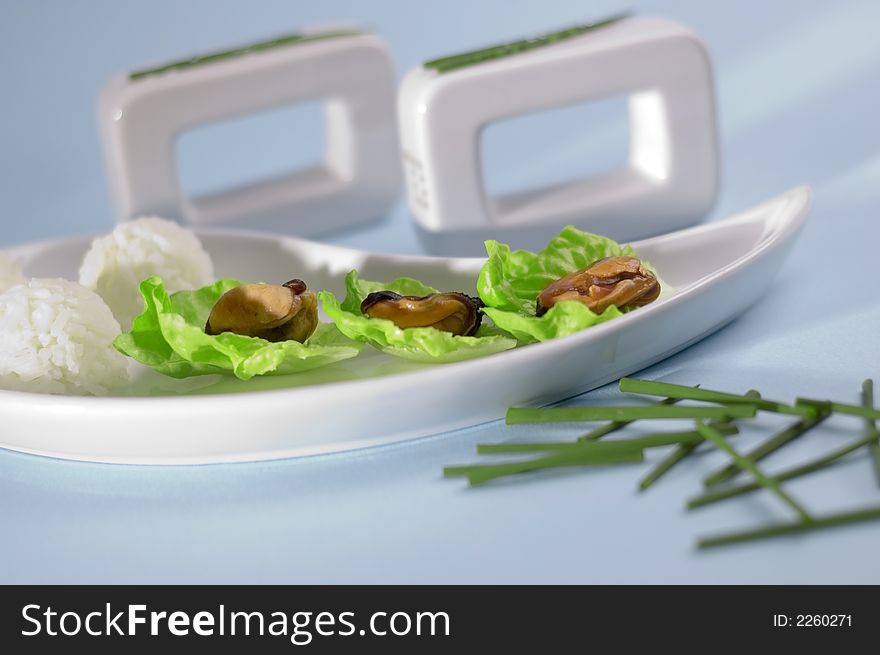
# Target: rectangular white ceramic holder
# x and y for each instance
(670, 179)
(669, 182)
(142, 113)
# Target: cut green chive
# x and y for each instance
(639, 443)
(653, 388)
(711, 434)
(770, 446)
(480, 474)
(781, 529)
(649, 441)
(874, 446)
(584, 452)
(680, 453)
(840, 408)
(587, 451)
(614, 426)
(519, 415)
(816, 465)
(664, 465)
(683, 451)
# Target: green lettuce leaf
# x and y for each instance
(560, 320)
(169, 336)
(510, 282)
(418, 344)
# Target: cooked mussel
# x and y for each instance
(620, 281)
(457, 313)
(274, 312)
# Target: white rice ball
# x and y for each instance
(10, 273)
(117, 263)
(56, 336)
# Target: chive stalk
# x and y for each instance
(587, 450)
(664, 465)
(781, 529)
(639, 443)
(874, 446)
(680, 453)
(614, 426)
(677, 455)
(653, 388)
(716, 495)
(711, 434)
(841, 408)
(770, 446)
(520, 415)
(480, 474)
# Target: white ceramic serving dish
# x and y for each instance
(717, 269)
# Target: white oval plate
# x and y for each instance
(717, 270)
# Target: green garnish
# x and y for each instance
(653, 388)
(780, 529)
(222, 55)
(453, 62)
(677, 455)
(595, 455)
(614, 426)
(666, 464)
(519, 415)
(657, 440)
(840, 408)
(715, 495)
(770, 446)
(587, 450)
(743, 462)
(868, 403)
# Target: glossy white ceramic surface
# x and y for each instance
(358, 179)
(669, 182)
(717, 270)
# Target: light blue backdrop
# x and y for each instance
(798, 97)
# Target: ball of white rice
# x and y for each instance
(117, 263)
(56, 337)
(10, 273)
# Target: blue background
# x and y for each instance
(797, 99)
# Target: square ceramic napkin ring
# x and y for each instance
(142, 113)
(669, 181)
